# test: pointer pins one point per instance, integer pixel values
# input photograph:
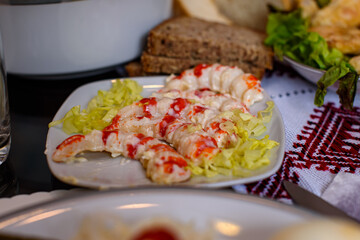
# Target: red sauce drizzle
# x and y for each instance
(178, 161)
(205, 145)
(199, 109)
(177, 107)
(106, 135)
(252, 81)
(198, 69)
(113, 124)
(145, 140)
(199, 92)
(218, 67)
(161, 148)
(70, 140)
(157, 233)
(146, 103)
(215, 125)
(164, 124)
(181, 75)
(132, 149)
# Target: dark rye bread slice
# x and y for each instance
(167, 65)
(186, 37)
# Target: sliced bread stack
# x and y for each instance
(183, 42)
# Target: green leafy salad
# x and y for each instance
(289, 36)
(251, 151)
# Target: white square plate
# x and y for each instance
(103, 171)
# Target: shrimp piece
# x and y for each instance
(146, 107)
(164, 111)
(191, 144)
(205, 96)
(196, 145)
(162, 163)
(224, 79)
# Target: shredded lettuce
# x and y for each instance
(249, 153)
(101, 109)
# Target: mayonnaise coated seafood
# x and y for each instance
(162, 163)
(180, 124)
(224, 79)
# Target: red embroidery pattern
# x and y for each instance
(329, 142)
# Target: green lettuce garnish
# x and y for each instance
(289, 36)
(101, 109)
(249, 153)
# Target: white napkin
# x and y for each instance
(344, 193)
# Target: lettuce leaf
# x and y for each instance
(101, 109)
(288, 35)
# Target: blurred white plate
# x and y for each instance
(311, 74)
(230, 215)
(102, 171)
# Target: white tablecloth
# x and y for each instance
(320, 141)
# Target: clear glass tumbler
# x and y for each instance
(5, 137)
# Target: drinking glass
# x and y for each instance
(5, 138)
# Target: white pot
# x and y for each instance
(76, 36)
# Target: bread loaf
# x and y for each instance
(181, 43)
(192, 38)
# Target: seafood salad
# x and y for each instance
(198, 124)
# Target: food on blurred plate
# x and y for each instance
(329, 229)
(308, 7)
(199, 122)
(252, 14)
(203, 9)
(110, 226)
(338, 13)
(338, 23)
(322, 44)
(346, 40)
(184, 42)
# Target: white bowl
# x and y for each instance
(311, 74)
(76, 36)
